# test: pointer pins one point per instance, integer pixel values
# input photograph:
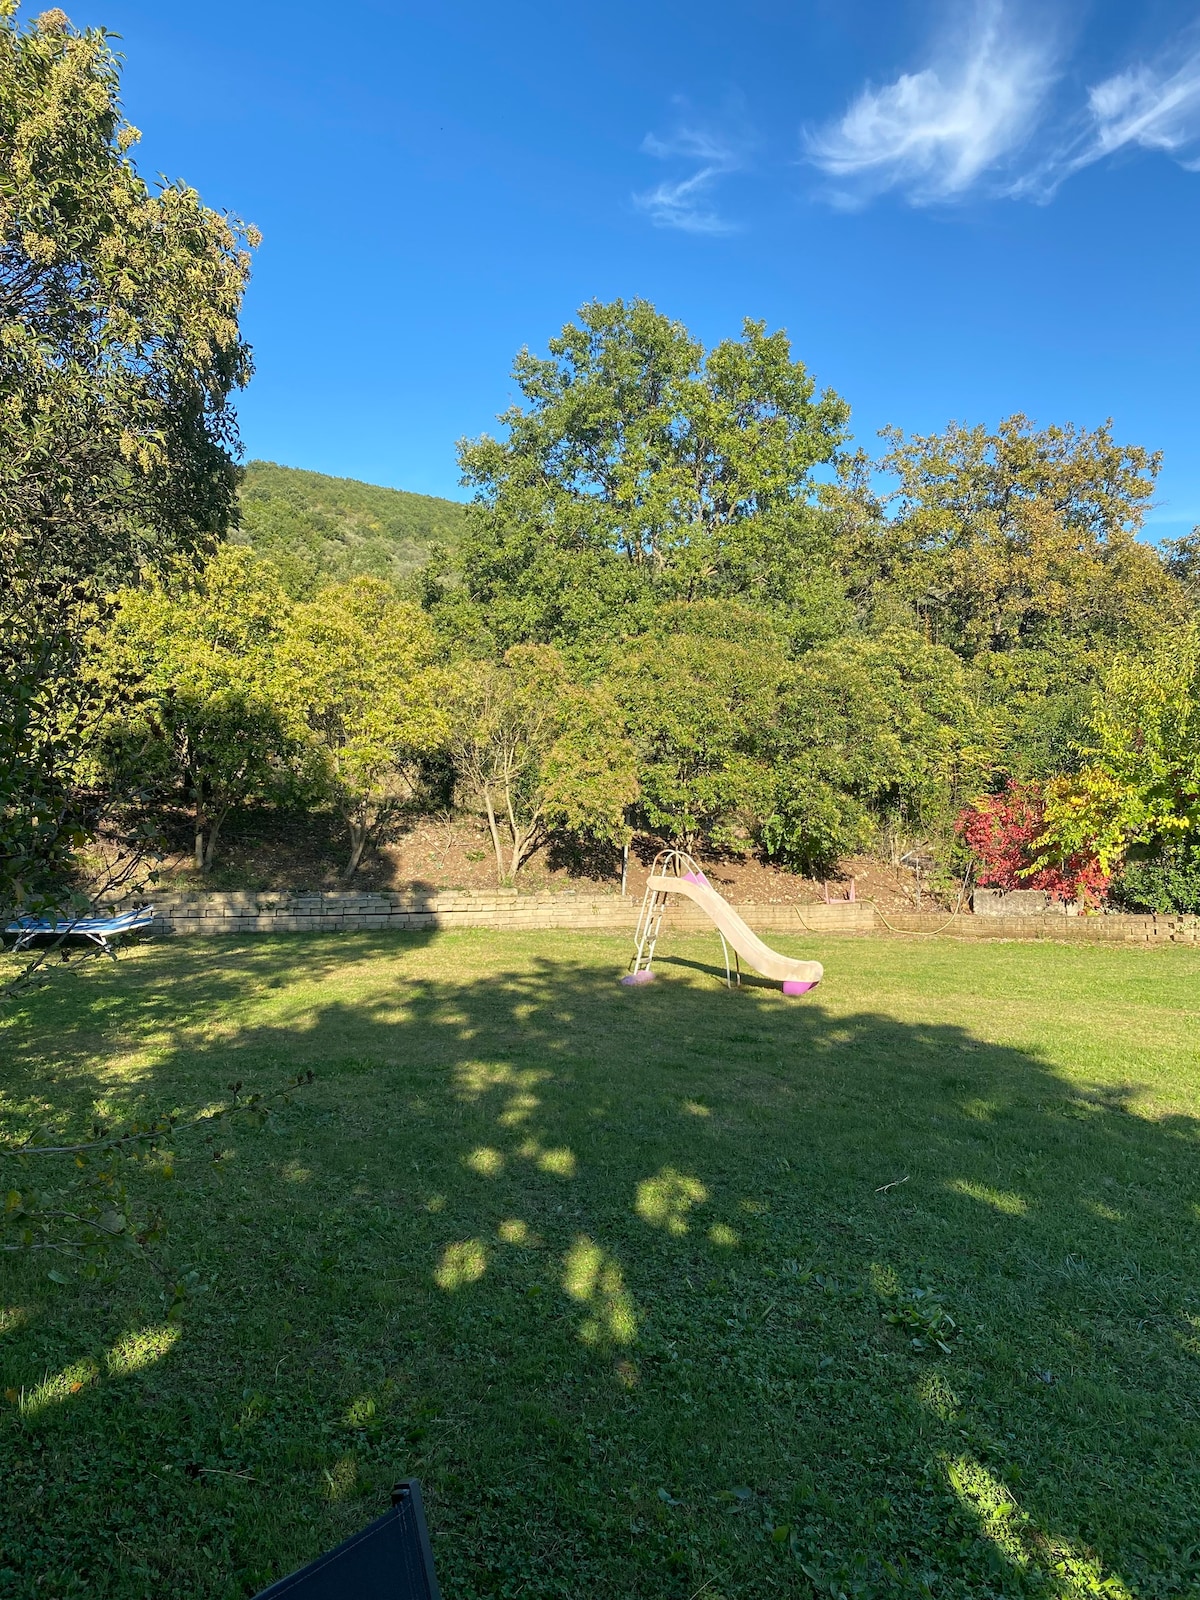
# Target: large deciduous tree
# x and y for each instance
(1139, 783)
(1005, 540)
(638, 468)
(120, 350)
(699, 696)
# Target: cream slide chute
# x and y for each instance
(676, 873)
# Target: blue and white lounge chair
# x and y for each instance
(103, 931)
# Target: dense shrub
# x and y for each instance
(1004, 832)
(1168, 880)
(813, 825)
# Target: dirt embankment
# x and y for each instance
(267, 849)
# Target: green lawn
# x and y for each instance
(615, 1273)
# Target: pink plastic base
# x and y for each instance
(792, 987)
(637, 978)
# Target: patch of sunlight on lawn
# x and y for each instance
(485, 1161)
(665, 1200)
(462, 1263)
(1011, 1205)
(558, 1163)
(140, 1350)
(134, 1353)
(513, 1231)
(1018, 1541)
(594, 1279)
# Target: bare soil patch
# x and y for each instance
(269, 849)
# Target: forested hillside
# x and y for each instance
(319, 529)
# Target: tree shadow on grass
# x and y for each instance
(657, 1290)
(747, 978)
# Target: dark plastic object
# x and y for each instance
(389, 1559)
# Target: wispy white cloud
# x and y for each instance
(1155, 109)
(934, 135)
(686, 203)
(1149, 107)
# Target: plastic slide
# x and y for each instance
(674, 872)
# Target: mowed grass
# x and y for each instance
(619, 1274)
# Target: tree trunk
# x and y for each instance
(200, 814)
(195, 787)
(210, 848)
(360, 834)
(525, 841)
(491, 814)
(524, 838)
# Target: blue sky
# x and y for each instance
(957, 210)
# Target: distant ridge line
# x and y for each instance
(358, 483)
(319, 529)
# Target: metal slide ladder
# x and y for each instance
(668, 863)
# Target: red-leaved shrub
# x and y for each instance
(1002, 832)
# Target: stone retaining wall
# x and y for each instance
(499, 908)
(348, 911)
(1020, 903)
(1115, 929)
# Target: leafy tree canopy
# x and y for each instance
(120, 304)
(1182, 558)
(873, 730)
(1008, 539)
(1037, 702)
(1140, 782)
(540, 751)
(119, 353)
(215, 725)
(639, 468)
(700, 709)
(356, 665)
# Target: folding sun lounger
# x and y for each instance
(389, 1559)
(103, 931)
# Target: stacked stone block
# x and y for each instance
(1114, 928)
(348, 911)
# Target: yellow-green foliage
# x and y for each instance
(355, 664)
(213, 722)
(1141, 780)
(120, 340)
(539, 750)
(119, 349)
